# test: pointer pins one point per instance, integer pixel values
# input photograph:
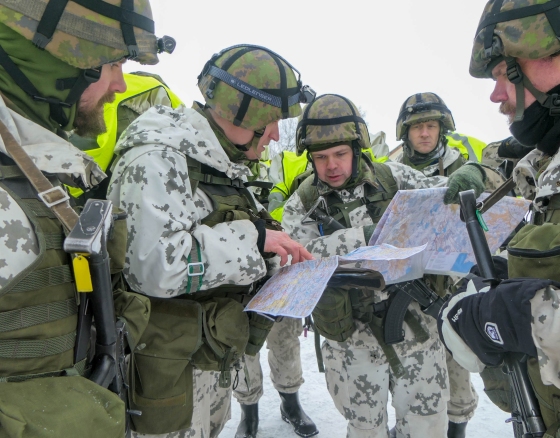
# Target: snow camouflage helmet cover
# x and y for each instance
(517, 29)
(89, 33)
(328, 121)
(422, 107)
(251, 86)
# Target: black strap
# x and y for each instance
(422, 107)
(49, 21)
(118, 13)
(128, 30)
(283, 87)
(515, 14)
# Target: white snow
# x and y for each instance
(488, 421)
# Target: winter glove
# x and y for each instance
(470, 176)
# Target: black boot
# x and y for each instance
(457, 430)
(292, 413)
(249, 421)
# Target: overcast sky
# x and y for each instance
(377, 53)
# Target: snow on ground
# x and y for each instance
(488, 421)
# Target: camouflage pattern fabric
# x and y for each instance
(357, 371)
(83, 39)
(18, 244)
(527, 37)
(211, 409)
(451, 155)
(463, 397)
(258, 69)
(326, 107)
(151, 183)
(283, 358)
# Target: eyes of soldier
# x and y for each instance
(419, 127)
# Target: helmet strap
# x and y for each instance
(76, 85)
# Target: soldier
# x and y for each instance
(360, 367)
(517, 45)
(58, 66)
(423, 125)
(198, 242)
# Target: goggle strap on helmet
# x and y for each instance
(76, 86)
(422, 107)
(124, 14)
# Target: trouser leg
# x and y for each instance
(249, 388)
(420, 396)
(358, 385)
(212, 408)
(284, 355)
(464, 399)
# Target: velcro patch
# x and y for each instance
(491, 330)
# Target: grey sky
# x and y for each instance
(375, 53)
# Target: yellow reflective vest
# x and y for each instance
(471, 148)
(136, 85)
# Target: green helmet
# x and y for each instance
(87, 33)
(251, 86)
(511, 29)
(422, 107)
(332, 120)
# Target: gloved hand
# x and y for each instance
(470, 176)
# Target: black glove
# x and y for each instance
(470, 176)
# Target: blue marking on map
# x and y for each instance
(461, 264)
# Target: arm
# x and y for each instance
(408, 178)
(166, 239)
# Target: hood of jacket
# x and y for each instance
(185, 130)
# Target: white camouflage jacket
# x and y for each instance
(52, 154)
(451, 155)
(165, 235)
(344, 241)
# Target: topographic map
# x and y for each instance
(295, 290)
(418, 217)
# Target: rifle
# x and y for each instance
(526, 410)
(88, 240)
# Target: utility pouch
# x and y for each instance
(259, 328)
(535, 252)
(135, 309)
(161, 372)
(116, 244)
(65, 407)
(497, 387)
(332, 315)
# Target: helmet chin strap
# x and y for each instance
(521, 81)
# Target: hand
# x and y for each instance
(280, 243)
(470, 176)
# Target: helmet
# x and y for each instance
(82, 34)
(88, 33)
(332, 120)
(251, 86)
(511, 29)
(422, 107)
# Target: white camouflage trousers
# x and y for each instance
(284, 360)
(212, 409)
(464, 399)
(359, 379)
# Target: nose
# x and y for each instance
(424, 132)
(331, 163)
(499, 93)
(273, 131)
(117, 85)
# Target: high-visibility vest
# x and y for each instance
(471, 148)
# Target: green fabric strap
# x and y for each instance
(77, 370)
(38, 208)
(10, 172)
(195, 271)
(318, 351)
(34, 315)
(345, 209)
(43, 278)
(216, 180)
(53, 241)
(419, 332)
(388, 350)
(23, 349)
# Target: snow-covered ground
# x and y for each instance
(488, 421)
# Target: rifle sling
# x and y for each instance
(497, 194)
(61, 208)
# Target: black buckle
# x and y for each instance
(51, 100)
(307, 95)
(554, 109)
(514, 73)
(92, 75)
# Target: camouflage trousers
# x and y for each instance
(464, 399)
(212, 409)
(284, 360)
(359, 382)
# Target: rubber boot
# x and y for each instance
(249, 421)
(457, 430)
(292, 413)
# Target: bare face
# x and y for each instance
(89, 119)
(543, 73)
(271, 132)
(333, 165)
(424, 136)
